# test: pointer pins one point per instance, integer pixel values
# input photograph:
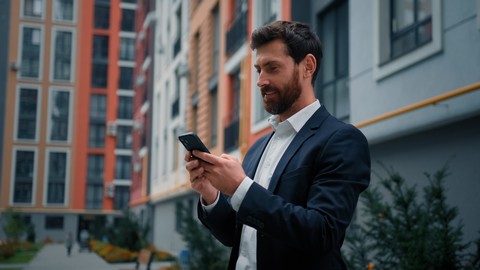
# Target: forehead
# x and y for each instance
(272, 51)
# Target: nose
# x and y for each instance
(262, 80)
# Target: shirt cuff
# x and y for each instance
(208, 208)
(240, 193)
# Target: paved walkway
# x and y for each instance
(54, 257)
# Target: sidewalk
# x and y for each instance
(54, 257)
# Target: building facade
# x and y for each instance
(67, 148)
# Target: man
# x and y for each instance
(289, 205)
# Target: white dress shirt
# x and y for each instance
(284, 133)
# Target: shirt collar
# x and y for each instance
(298, 120)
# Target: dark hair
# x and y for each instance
(299, 39)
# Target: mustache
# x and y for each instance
(268, 89)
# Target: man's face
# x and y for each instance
(278, 77)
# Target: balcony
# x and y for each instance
(237, 33)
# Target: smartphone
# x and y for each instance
(192, 142)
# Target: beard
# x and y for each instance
(286, 97)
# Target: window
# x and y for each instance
(100, 61)
(127, 49)
(182, 208)
(128, 20)
(125, 107)
(33, 9)
(24, 173)
(98, 110)
(94, 194)
(126, 78)
(27, 113)
(213, 116)
(64, 10)
(122, 167)
(124, 137)
(53, 222)
(267, 11)
(175, 104)
(59, 115)
(30, 53)
(62, 52)
(407, 31)
(122, 197)
(102, 14)
(332, 87)
(56, 176)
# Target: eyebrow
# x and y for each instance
(268, 63)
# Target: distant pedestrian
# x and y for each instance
(69, 243)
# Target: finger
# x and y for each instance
(188, 156)
(209, 158)
(192, 164)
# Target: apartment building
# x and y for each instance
(67, 143)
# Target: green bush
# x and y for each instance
(7, 250)
(407, 233)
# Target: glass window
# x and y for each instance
(122, 197)
(27, 114)
(54, 222)
(23, 176)
(411, 25)
(125, 107)
(122, 167)
(128, 20)
(214, 116)
(57, 175)
(63, 10)
(62, 55)
(98, 110)
(124, 137)
(126, 78)
(33, 8)
(59, 117)
(101, 18)
(30, 55)
(127, 49)
(94, 196)
(95, 168)
(333, 76)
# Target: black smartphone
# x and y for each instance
(192, 142)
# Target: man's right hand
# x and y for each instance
(198, 181)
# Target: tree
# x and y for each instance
(129, 232)
(408, 233)
(204, 250)
(15, 226)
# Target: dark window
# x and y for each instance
(124, 137)
(213, 116)
(63, 10)
(127, 49)
(122, 197)
(122, 167)
(411, 25)
(98, 110)
(24, 171)
(59, 115)
(94, 194)
(57, 174)
(53, 222)
(100, 61)
(128, 20)
(333, 87)
(125, 107)
(27, 114)
(33, 8)
(126, 78)
(102, 15)
(31, 43)
(63, 56)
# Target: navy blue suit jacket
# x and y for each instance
(302, 217)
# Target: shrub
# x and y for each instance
(406, 233)
(7, 250)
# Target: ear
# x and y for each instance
(310, 64)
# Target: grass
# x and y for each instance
(20, 257)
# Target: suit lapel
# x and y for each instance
(306, 132)
(256, 156)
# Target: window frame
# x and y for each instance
(381, 42)
(48, 151)
(74, 15)
(55, 31)
(53, 89)
(34, 177)
(22, 12)
(17, 112)
(20, 51)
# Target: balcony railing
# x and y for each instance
(237, 33)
